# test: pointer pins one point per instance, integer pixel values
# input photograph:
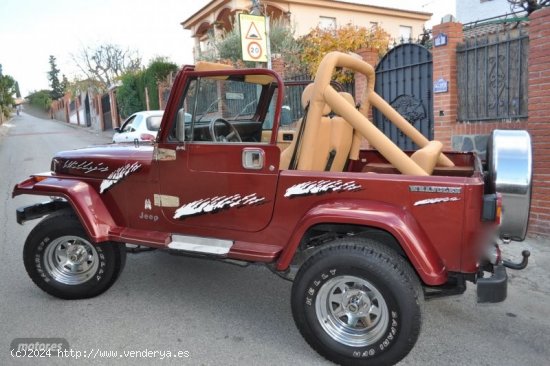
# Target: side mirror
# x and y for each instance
(117, 129)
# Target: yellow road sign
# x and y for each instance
(253, 37)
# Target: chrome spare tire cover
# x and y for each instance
(509, 161)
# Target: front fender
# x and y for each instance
(393, 219)
(85, 201)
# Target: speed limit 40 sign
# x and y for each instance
(253, 37)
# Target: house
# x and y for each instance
(218, 16)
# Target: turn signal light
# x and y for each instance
(39, 178)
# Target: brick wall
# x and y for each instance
(444, 67)
(452, 132)
(539, 118)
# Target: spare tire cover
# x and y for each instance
(509, 161)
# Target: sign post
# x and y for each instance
(254, 38)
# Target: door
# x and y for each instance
(129, 130)
(214, 170)
(404, 80)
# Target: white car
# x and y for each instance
(140, 126)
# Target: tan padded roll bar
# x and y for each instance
(324, 93)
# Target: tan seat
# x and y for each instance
(341, 136)
(332, 141)
(427, 156)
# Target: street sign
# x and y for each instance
(440, 40)
(253, 37)
(441, 86)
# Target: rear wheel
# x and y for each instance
(61, 260)
(357, 302)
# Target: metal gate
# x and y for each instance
(106, 108)
(404, 80)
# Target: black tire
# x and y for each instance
(60, 238)
(357, 302)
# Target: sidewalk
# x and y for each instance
(38, 113)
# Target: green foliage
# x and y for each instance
(53, 77)
(131, 96)
(7, 90)
(127, 95)
(17, 91)
(40, 99)
(156, 72)
(65, 84)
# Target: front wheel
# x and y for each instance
(357, 302)
(61, 260)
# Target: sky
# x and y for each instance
(32, 30)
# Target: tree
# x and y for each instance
(41, 99)
(53, 77)
(131, 93)
(7, 90)
(106, 63)
(528, 5)
(17, 91)
(64, 83)
(348, 38)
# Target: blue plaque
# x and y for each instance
(441, 86)
(440, 40)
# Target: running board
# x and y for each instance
(197, 244)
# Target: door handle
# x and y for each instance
(253, 158)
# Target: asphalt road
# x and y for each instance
(222, 314)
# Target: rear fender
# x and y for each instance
(83, 198)
(392, 219)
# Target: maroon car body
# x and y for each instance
(179, 194)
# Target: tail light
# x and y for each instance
(146, 137)
(498, 215)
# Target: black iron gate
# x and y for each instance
(106, 108)
(404, 80)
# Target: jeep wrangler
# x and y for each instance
(365, 234)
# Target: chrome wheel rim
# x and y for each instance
(352, 311)
(71, 260)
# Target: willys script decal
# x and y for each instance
(218, 203)
(321, 187)
(86, 166)
(118, 175)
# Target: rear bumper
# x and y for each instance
(495, 288)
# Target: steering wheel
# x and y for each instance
(232, 136)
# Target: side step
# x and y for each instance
(196, 244)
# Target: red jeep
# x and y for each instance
(364, 234)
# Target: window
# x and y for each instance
(405, 32)
(214, 106)
(153, 123)
(128, 125)
(327, 23)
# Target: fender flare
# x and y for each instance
(83, 198)
(395, 220)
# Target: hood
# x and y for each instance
(100, 161)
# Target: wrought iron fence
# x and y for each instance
(492, 76)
